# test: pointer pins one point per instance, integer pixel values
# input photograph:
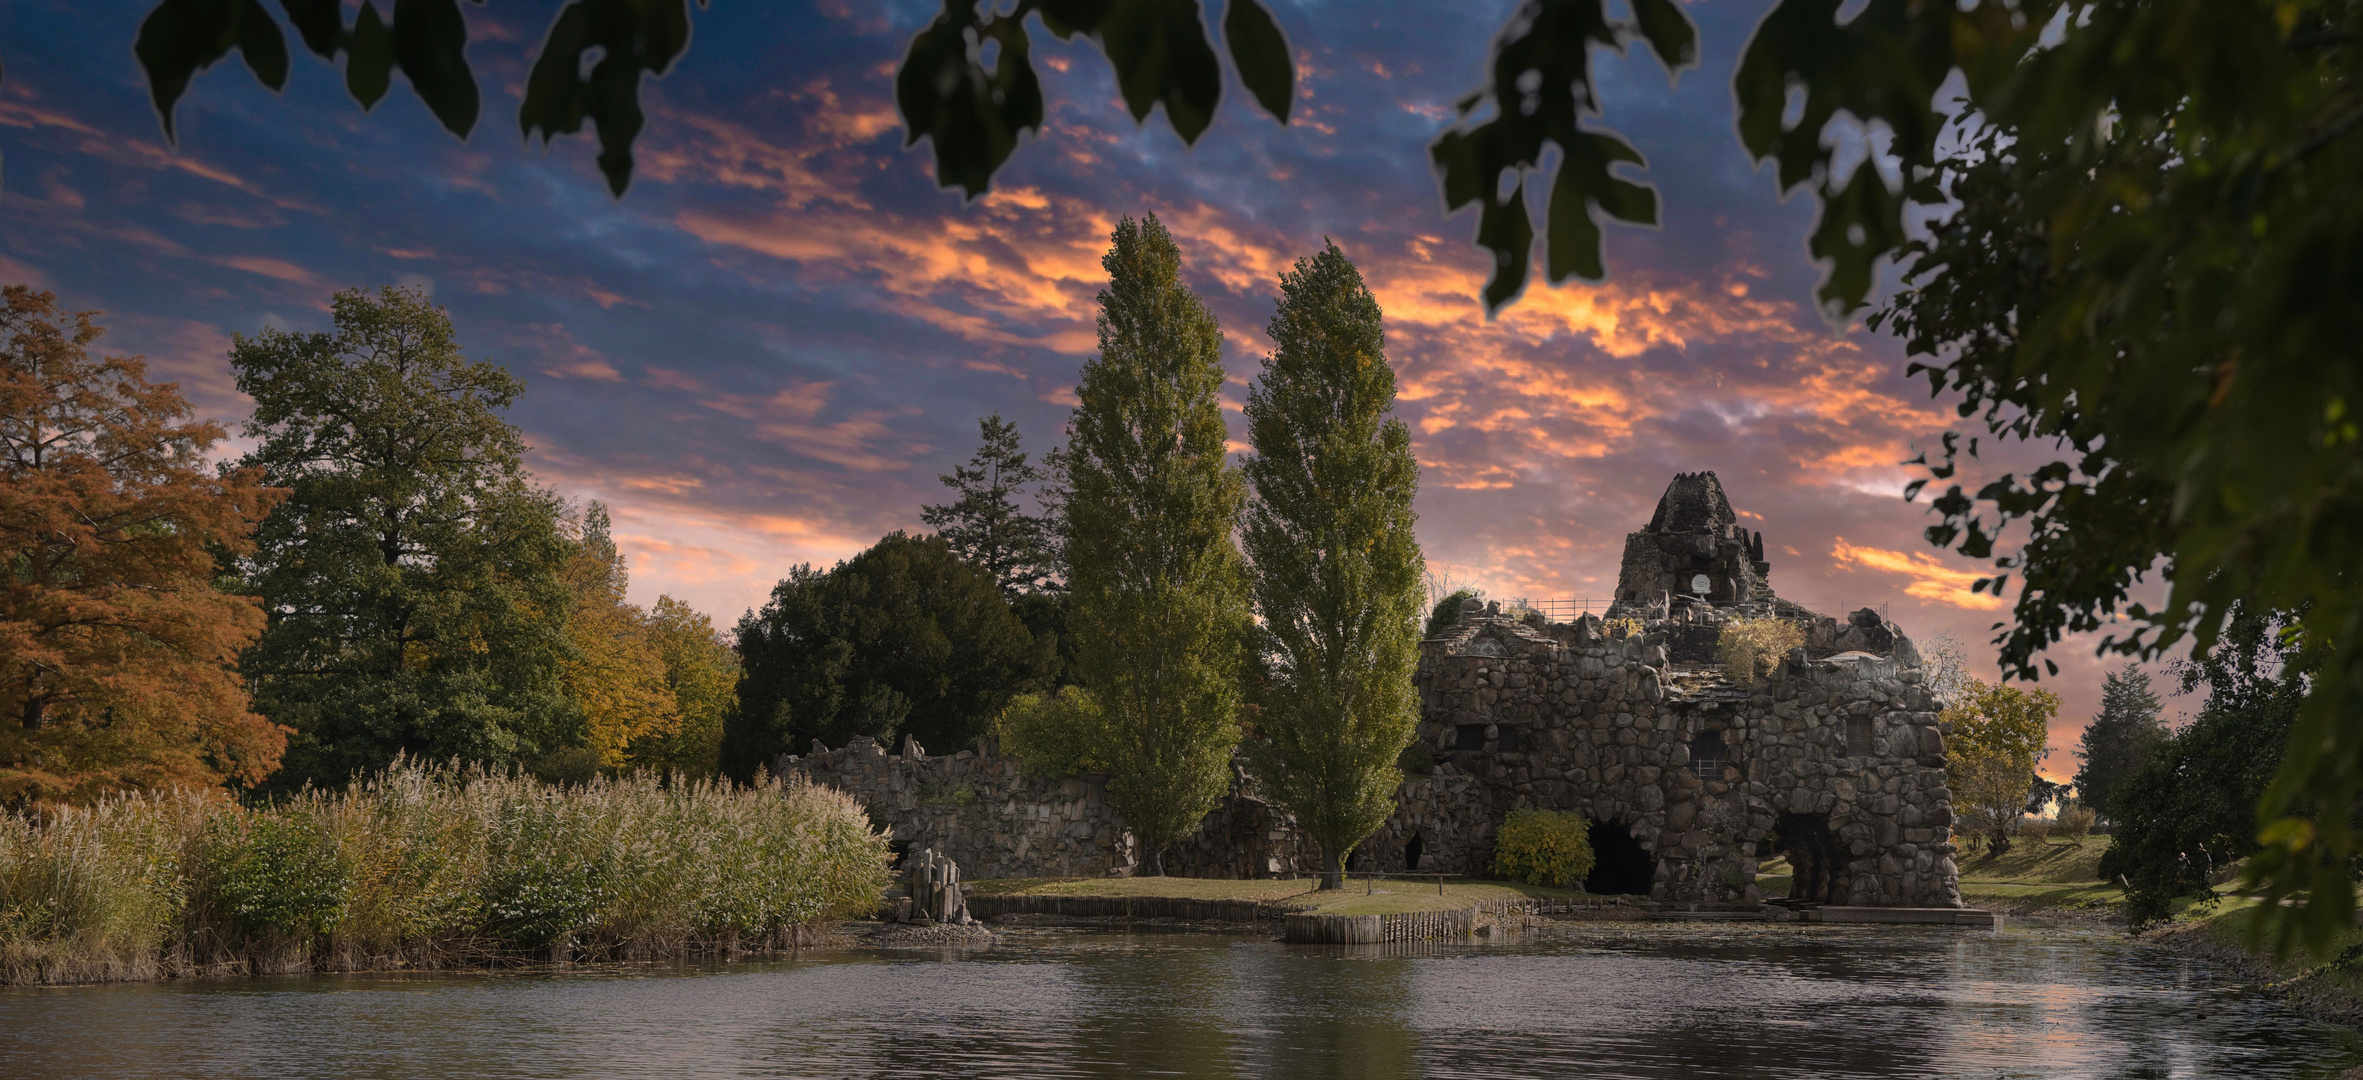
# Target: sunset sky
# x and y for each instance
(767, 351)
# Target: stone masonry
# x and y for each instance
(980, 810)
(1628, 720)
(1837, 747)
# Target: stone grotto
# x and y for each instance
(1686, 775)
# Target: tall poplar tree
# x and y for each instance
(1159, 599)
(412, 578)
(1335, 569)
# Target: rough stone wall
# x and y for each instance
(1577, 721)
(993, 819)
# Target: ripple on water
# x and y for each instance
(1646, 1001)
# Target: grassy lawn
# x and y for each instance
(1293, 894)
(2034, 875)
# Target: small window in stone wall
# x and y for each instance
(1707, 756)
(1858, 735)
(1469, 737)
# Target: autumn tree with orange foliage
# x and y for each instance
(116, 646)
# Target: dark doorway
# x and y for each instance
(1411, 853)
(1707, 755)
(1815, 858)
(1621, 866)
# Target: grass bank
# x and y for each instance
(425, 868)
(2035, 877)
(1301, 895)
(2329, 990)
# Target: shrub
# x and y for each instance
(2075, 821)
(1544, 847)
(278, 875)
(1053, 734)
(1750, 648)
(1620, 629)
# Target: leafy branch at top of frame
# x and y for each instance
(427, 40)
(1158, 50)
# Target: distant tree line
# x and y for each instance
(380, 576)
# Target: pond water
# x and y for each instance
(1590, 1000)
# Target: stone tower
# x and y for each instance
(1693, 546)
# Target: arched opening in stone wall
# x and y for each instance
(1411, 853)
(1620, 865)
(895, 850)
(1816, 860)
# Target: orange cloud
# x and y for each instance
(1929, 578)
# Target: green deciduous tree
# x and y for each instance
(1333, 566)
(701, 671)
(903, 638)
(1997, 734)
(412, 578)
(985, 525)
(2188, 810)
(615, 673)
(116, 641)
(2119, 737)
(2153, 269)
(1159, 600)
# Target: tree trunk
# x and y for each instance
(1333, 868)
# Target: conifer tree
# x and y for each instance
(2119, 737)
(1335, 569)
(985, 525)
(412, 577)
(1159, 604)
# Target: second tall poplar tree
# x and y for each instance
(1158, 593)
(1336, 568)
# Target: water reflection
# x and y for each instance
(1645, 1002)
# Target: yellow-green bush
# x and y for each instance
(426, 868)
(1544, 847)
(1057, 734)
(2074, 821)
(1751, 648)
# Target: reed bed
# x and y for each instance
(427, 868)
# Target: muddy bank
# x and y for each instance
(2323, 991)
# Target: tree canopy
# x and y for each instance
(2117, 740)
(412, 577)
(1334, 566)
(904, 638)
(2143, 255)
(116, 635)
(985, 525)
(2187, 812)
(1159, 601)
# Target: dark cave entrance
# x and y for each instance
(1816, 860)
(1621, 866)
(1411, 853)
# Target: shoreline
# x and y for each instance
(2325, 992)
